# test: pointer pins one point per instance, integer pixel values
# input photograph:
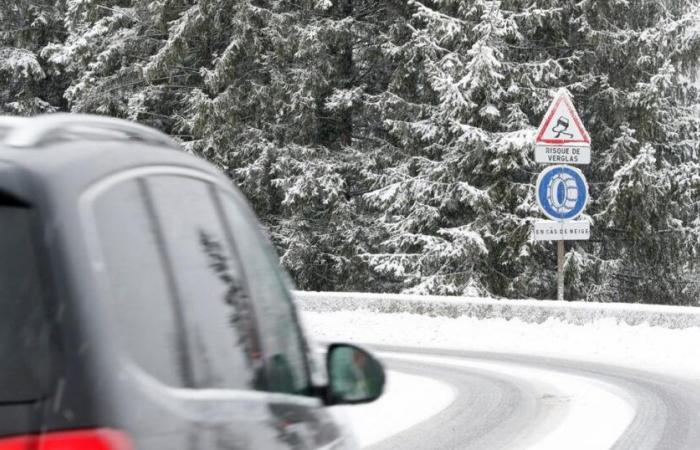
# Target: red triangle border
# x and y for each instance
(577, 122)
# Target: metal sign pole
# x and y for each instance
(560, 270)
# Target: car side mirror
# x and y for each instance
(354, 375)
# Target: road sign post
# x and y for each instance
(561, 190)
(560, 270)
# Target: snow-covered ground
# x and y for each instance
(585, 398)
(369, 422)
(527, 310)
(675, 351)
(650, 348)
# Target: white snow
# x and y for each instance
(527, 310)
(579, 400)
(652, 348)
(323, 4)
(17, 62)
(426, 397)
(669, 351)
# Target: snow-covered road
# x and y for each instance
(521, 402)
(522, 385)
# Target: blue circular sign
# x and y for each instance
(562, 192)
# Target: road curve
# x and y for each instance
(495, 410)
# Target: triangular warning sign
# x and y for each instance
(561, 124)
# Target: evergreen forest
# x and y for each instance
(388, 145)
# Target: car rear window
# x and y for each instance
(24, 331)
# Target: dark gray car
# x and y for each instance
(141, 307)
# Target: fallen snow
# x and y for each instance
(576, 399)
(433, 396)
(645, 347)
(669, 351)
(527, 310)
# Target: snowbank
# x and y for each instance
(528, 311)
(644, 347)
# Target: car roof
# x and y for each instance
(68, 162)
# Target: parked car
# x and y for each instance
(141, 307)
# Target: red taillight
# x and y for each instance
(93, 439)
(18, 443)
(97, 439)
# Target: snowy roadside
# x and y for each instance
(526, 310)
(669, 351)
(574, 404)
(645, 347)
(395, 411)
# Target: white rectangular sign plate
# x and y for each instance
(571, 230)
(562, 154)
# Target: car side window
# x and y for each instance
(221, 335)
(282, 342)
(142, 301)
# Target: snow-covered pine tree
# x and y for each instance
(26, 27)
(261, 88)
(104, 53)
(647, 211)
(387, 145)
(271, 108)
(477, 77)
(458, 198)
